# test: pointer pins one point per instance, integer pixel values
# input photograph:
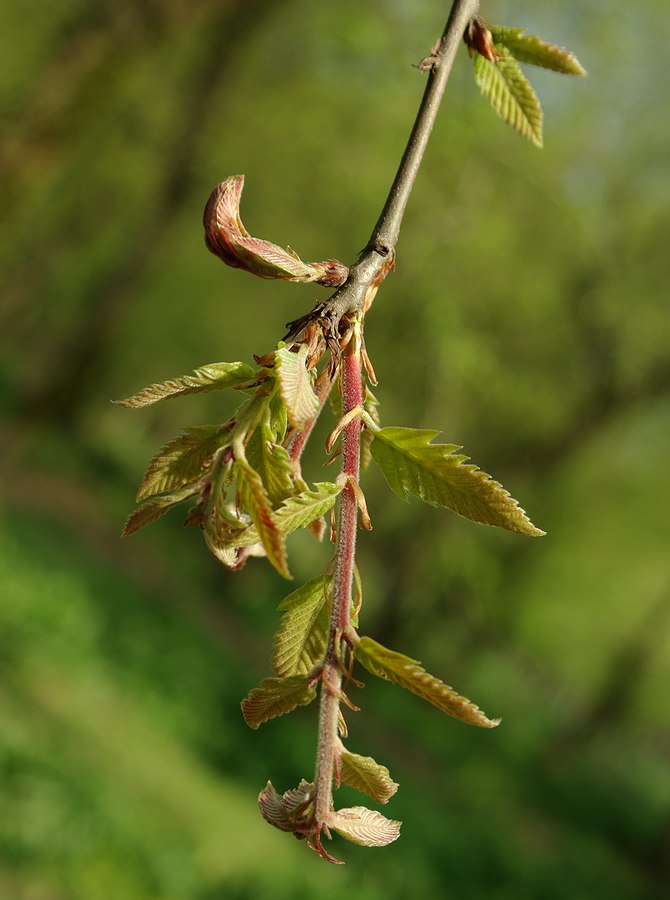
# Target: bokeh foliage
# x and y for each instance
(527, 317)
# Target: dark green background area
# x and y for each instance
(527, 318)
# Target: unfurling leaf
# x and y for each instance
(273, 464)
(227, 238)
(295, 386)
(289, 812)
(255, 501)
(505, 86)
(276, 696)
(527, 48)
(296, 512)
(365, 774)
(409, 673)
(437, 474)
(273, 809)
(154, 509)
(183, 460)
(365, 827)
(212, 377)
(300, 642)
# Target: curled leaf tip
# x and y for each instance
(227, 238)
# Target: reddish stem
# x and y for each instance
(331, 682)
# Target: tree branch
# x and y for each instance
(351, 297)
(385, 232)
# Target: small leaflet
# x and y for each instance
(211, 377)
(528, 48)
(275, 697)
(437, 474)
(365, 827)
(511, 95)
(256, 503)
(296, 512)
(295, 386)
(182, 460)
(409, 673)
(366, 775)
(153, 509)
(300, 642)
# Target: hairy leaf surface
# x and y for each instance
(272, 808)
(182, 460)
(365, 774)
(437, 474)
(272, 463)
(527, 48)
(505, 86)
(211, 377)
(256, 503)
(300, 642)
(276, 696)
(295, 386)
(365, 827)
(288, 812)
(296, 512)
(409, 673)
(154, 509)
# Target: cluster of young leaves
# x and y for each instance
(247, 493)
(497, 52)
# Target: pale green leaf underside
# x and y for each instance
(365, 774)
(256, 502)
(437, 474)
(295, 386)
(182, 461)
(154, 509)
(211, 377)
(300, 642)
(528, 48)
(272, 463)
(408, 673)
(508, 91)
(295, 512)
(275, 697)
(365, 827)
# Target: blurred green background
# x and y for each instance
(528, 318)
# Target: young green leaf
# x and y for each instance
(505, 86)
(295, 386)
(527, 48)
(365, 827)
(295, 512)
(276, 696)
(256, 503)
(409, 673)
(273, 464)
(437, 474)
(300, 642)
(365, 774)
(154, 509)
(212, 377)
(182, 460)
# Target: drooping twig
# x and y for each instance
(351, 297)
(352, 301)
